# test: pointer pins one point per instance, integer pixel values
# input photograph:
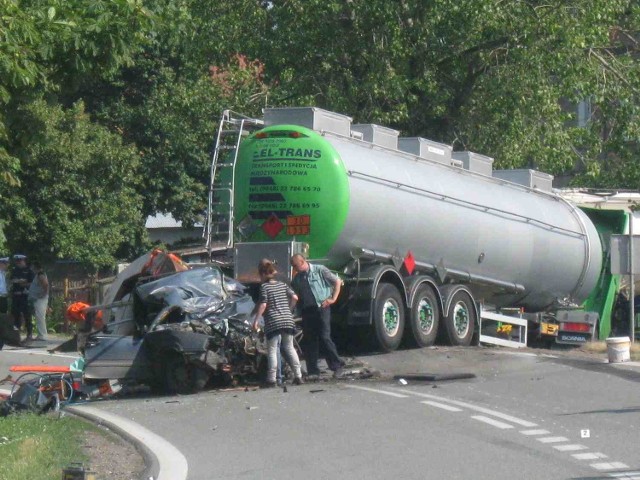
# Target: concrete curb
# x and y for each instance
(166, 462)
(163, 460)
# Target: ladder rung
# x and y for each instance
(224, 165)
(225, 147)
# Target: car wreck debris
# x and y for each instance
(190, 329)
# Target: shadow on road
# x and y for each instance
(615, 410)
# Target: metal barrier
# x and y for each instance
(504, 337)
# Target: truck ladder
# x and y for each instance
(219, 224)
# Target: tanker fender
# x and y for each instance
(414, 282)
(448, 291)
(362, 290)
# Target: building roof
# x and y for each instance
(601, 198)
(162, 220)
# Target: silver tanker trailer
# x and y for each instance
(426, 240)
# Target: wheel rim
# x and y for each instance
(461, 319)
(425, 316)
(391, 317)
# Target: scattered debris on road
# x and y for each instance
(433, 377)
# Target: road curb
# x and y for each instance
(163, 461)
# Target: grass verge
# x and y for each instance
(39, 446)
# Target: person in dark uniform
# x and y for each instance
(4, 288)
(21, 278)
(4, 295)
(317, 289)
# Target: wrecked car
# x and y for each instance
(191, 328)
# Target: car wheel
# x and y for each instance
(181, 376)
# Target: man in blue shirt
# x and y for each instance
(317, 289)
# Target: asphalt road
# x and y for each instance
(526, 415)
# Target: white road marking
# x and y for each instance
(486, 411)
(589, 456)
(552, 439)
(626, 475)
(569, 448)
(492, 422)
(375, 390)
(535, 432)
(609, 466)
(442, 406)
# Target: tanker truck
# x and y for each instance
(425, 239)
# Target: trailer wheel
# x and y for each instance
(388, 317)
(424, 316)
(461, 319)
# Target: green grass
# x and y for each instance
(38, 447)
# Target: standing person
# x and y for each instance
(39, 299)
(4, 290)
(4, 294)
(275, 306)
(21, 278)
(317, 288)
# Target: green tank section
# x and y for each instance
(602, 298)
(290, 184)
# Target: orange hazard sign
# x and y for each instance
(299, 225)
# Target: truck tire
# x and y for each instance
(424, 316)
(461, 319)
(388, 317)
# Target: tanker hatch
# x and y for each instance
(280, 134)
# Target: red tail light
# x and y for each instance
(575, 327)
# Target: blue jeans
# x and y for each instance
(273, 347)
(279, 371)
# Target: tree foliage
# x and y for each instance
(78, 195)
(501, 78)
(548, 85)
(173, 124)
(57, 45)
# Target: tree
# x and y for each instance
(77, 198)
(173, 124)
(57, 45)
(494, 77)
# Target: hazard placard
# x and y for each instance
(299, 225)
